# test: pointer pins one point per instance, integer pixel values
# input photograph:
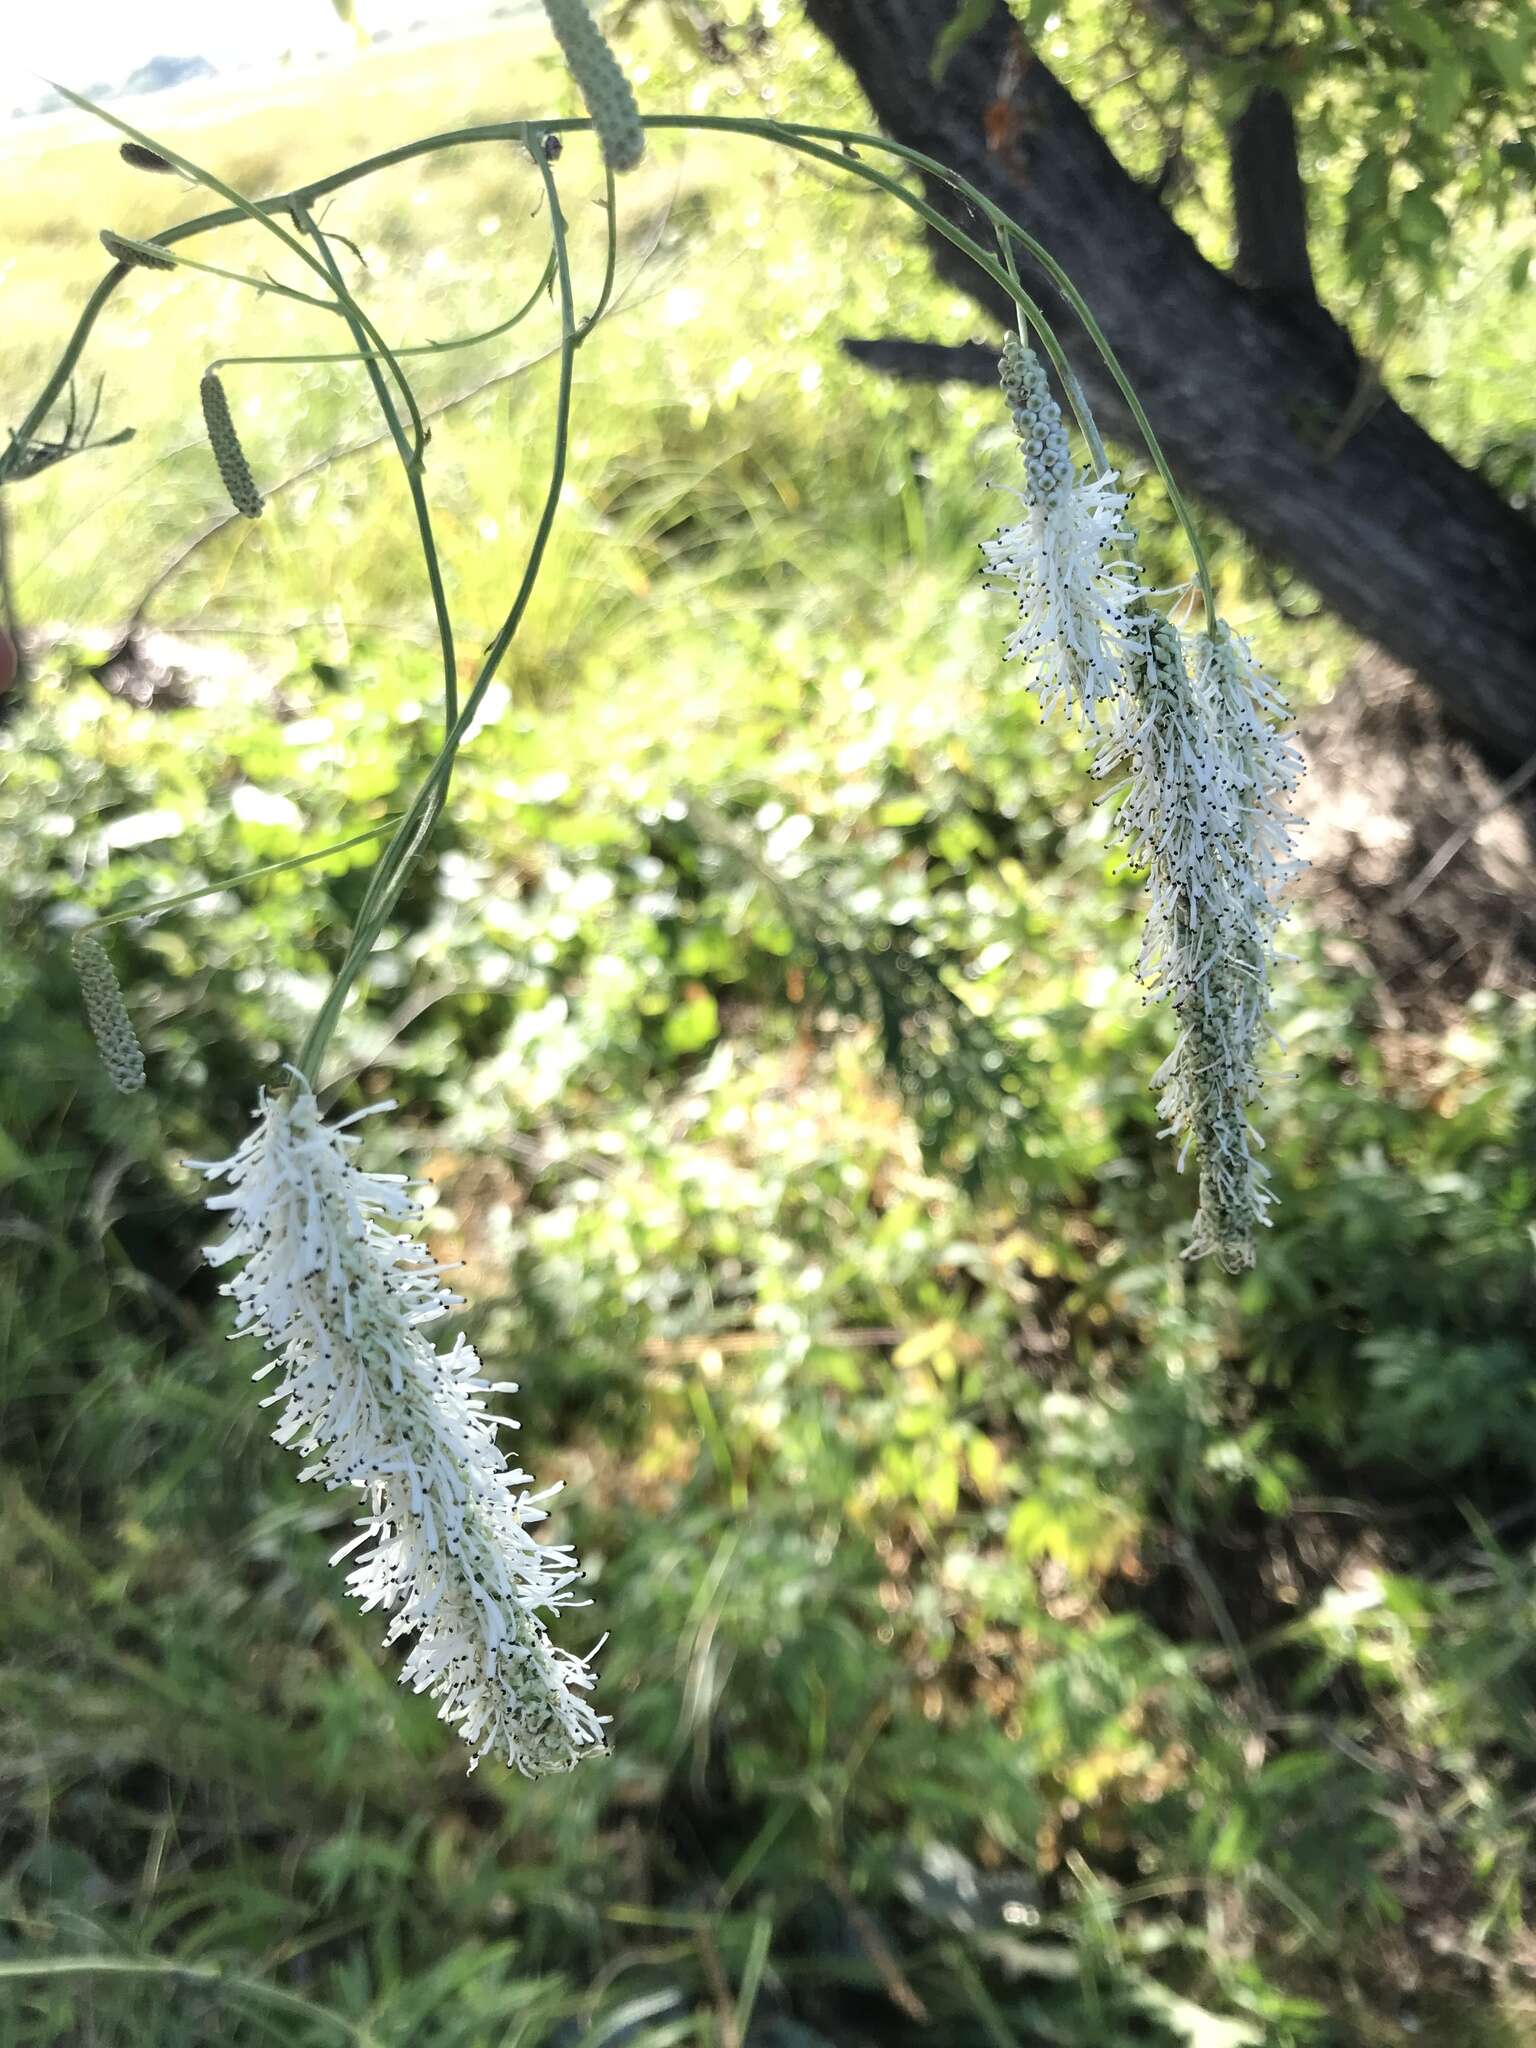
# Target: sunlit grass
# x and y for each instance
(703, 411)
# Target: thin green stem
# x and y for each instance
(803, 138)
(610, 262)
(1127, 390)
(360, 327)
(415, 827)
(351, 174)
(248, 209)
(21, 440)
(1077, 398)
(1005, 250)
(158, 904)
(363, 333)
(570, 339)
(1006, 224)
(415, 348)
(255, 284)
(263, 214)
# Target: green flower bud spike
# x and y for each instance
(603, 85)
(137, 255)
(227, 452)
(107, 1014)
(143, 159)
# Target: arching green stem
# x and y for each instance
(159, 904)
(249, 209)
(1004, 223)
(610, 261)
(415, 348)
(414, 828)
(258, 285)
(263, 213)
(360, 334)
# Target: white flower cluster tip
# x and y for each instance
(341, 1297)
(1191, 726)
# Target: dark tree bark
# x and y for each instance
(1257, 400)
(1269, 201)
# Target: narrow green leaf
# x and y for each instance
(972, 17)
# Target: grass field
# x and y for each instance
(1016, 1637)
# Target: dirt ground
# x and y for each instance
(1423, 863)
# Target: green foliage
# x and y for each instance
(1410, 118)
(1009, 1625)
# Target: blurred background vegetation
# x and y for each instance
(1017, 1637)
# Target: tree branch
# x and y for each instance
(1269, 201)
(926, 362)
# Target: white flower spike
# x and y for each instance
(342, 1301)
(1206, 776)
(1068, 559)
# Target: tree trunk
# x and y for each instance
(1258, 403)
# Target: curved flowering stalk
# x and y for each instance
(1069, 559)
(342, 1299)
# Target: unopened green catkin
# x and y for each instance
(144, 159)
(603, 85)
(107, 1014)
(137, 255)
(227, 452)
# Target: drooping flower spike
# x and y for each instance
(1204, 775)
(342, 1297)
